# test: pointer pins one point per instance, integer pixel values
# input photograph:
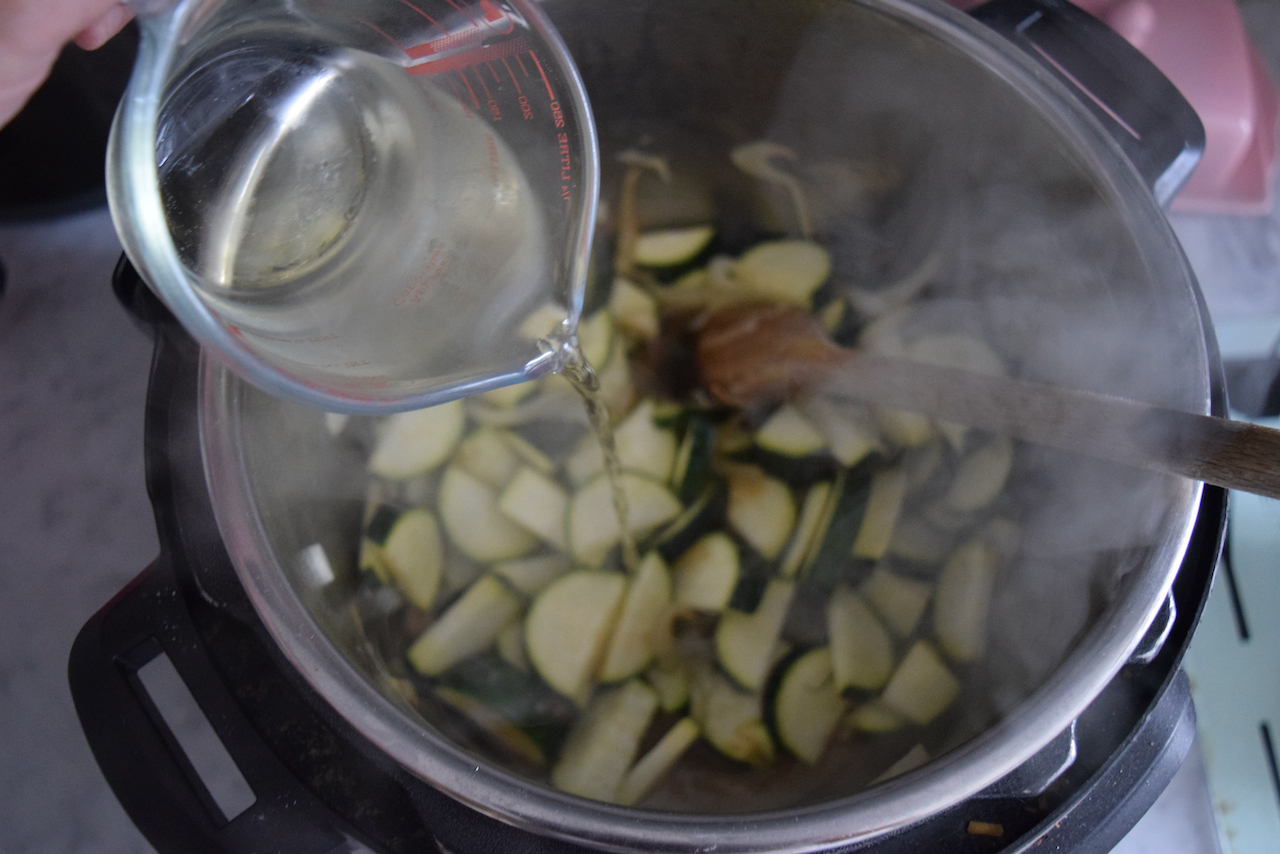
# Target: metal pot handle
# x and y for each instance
(1145, 113)
(145, 764)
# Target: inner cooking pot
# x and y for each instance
(927, 149)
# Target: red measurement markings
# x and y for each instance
(435, 63)
(470, 91)
(545, 81)
(494, 110)
(445, 44)
(566, 167)
(557, 115)
(493, 15)
(437, 265)
(526, 109)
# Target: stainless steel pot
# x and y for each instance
(1052, 245)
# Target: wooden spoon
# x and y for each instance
(758, 353)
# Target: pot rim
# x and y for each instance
(945, 781)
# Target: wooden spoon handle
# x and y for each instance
(751, 354)
(1231, 454)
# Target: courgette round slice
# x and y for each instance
(807, 706)
(671, 247)
(922, 687)
(648, 598)
(469, 625)
(785, 271)
(413, 443)
(471, 516)
(413, 555)
(593, 527)
(568, 627)
(707, 573)
(861, 650)
(761, 509)
(604, 742)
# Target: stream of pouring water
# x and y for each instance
(575, 368)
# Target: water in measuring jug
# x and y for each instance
(345, 217)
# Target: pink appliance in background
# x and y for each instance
(1201, 46)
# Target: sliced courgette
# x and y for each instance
(960, 351)
(641, 778)
(830, 561)
(592, 518)
(785, 271)
(603, 744)
(468, 626)
(848, 429)
(538, 503)
(509, 396)
(692, 469)
(731, 719)
(807, 706)
(746, 643)
(546, 320)
(640, 621)
(635, 312)
(702, 515)
(874, 716)
(370, 560)
(568, 626)
(642, 445)
(918, 541)
(413, 443)
(672, 247)
(672, 682)
(706, 574)
(413, 556)
(861, 650)
(754, 574)
(761, 509)
(922, 687)
(530, 574)
(789, 433)
(981, 475)
(884, 506)
(510, 645)
(907, 429)
(475, 524)
(808, 532)
(487, 455)
(595, 338)
(960, 612)
(900, 601)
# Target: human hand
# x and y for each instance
(33, 33)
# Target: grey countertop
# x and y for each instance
(75, 523)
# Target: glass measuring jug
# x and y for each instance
(360, 203)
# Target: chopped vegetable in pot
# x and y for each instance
(815, 574)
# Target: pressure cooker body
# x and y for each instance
(317, 783)
(969, 123)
